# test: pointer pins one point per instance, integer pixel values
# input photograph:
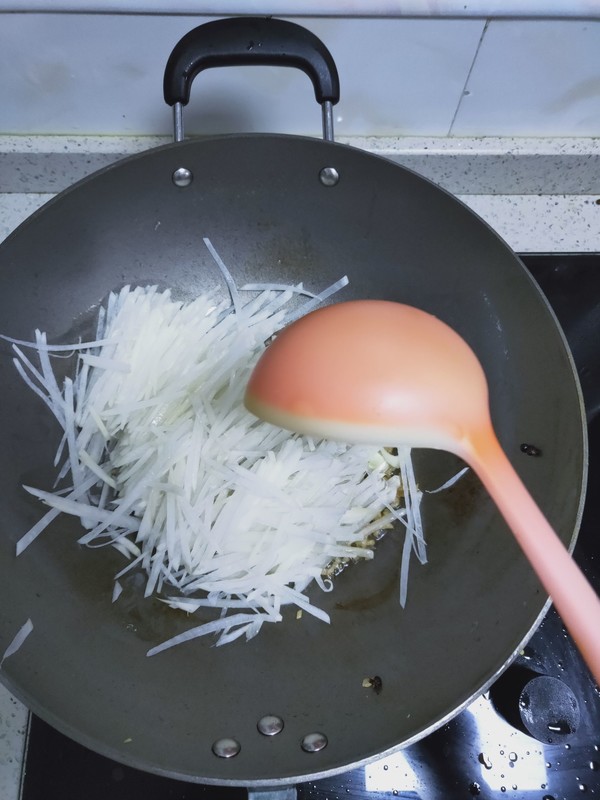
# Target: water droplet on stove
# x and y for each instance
(483, 759)
(582, 787)
(561, 666)
(543, 786)
(528, 652)
(596, 747)
(501, 752)
(567, 747)
(385, 766)
(474, 788)
(514, 787)
(395, 792)
(512, 757)
(594, 765)
(548, 764)
(503, 788)
(548, 797)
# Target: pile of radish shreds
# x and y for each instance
(163, 462)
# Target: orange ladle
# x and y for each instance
(379, 372)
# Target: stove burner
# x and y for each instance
(534, 736)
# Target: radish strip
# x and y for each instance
(43, 523)
(81, 510)
(404, 565)
(233, 291)
(103, 363)
(318, 299)
(55, 348)
(454, 479)
(35, 531)
(89, 462)
(56, 410)
(202, 630)
(276, 287)
(16, 643)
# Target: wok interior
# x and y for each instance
(396, 236)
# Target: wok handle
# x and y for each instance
(244, 41)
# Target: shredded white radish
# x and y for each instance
(117, 590)
(18, 640)
(233, 290)
(450, 482)
(275, 287)
(220, 510)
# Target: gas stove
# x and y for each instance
(535, 735)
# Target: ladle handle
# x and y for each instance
(573, 597)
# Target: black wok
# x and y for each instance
(262, 202)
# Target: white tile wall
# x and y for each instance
(534, 78)
(102, 74)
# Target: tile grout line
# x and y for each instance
(466, 83)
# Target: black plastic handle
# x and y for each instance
(240, 41)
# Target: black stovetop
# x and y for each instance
(534, 736)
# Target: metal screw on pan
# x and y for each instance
(313, 742)
(182, 177)
(329, 176)
(270, 725)
(226, 748)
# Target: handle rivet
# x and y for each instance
(329, 176)
(314, 742)
(182, 177)
(270, 725)
(226, 748)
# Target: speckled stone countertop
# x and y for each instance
(540, 195)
